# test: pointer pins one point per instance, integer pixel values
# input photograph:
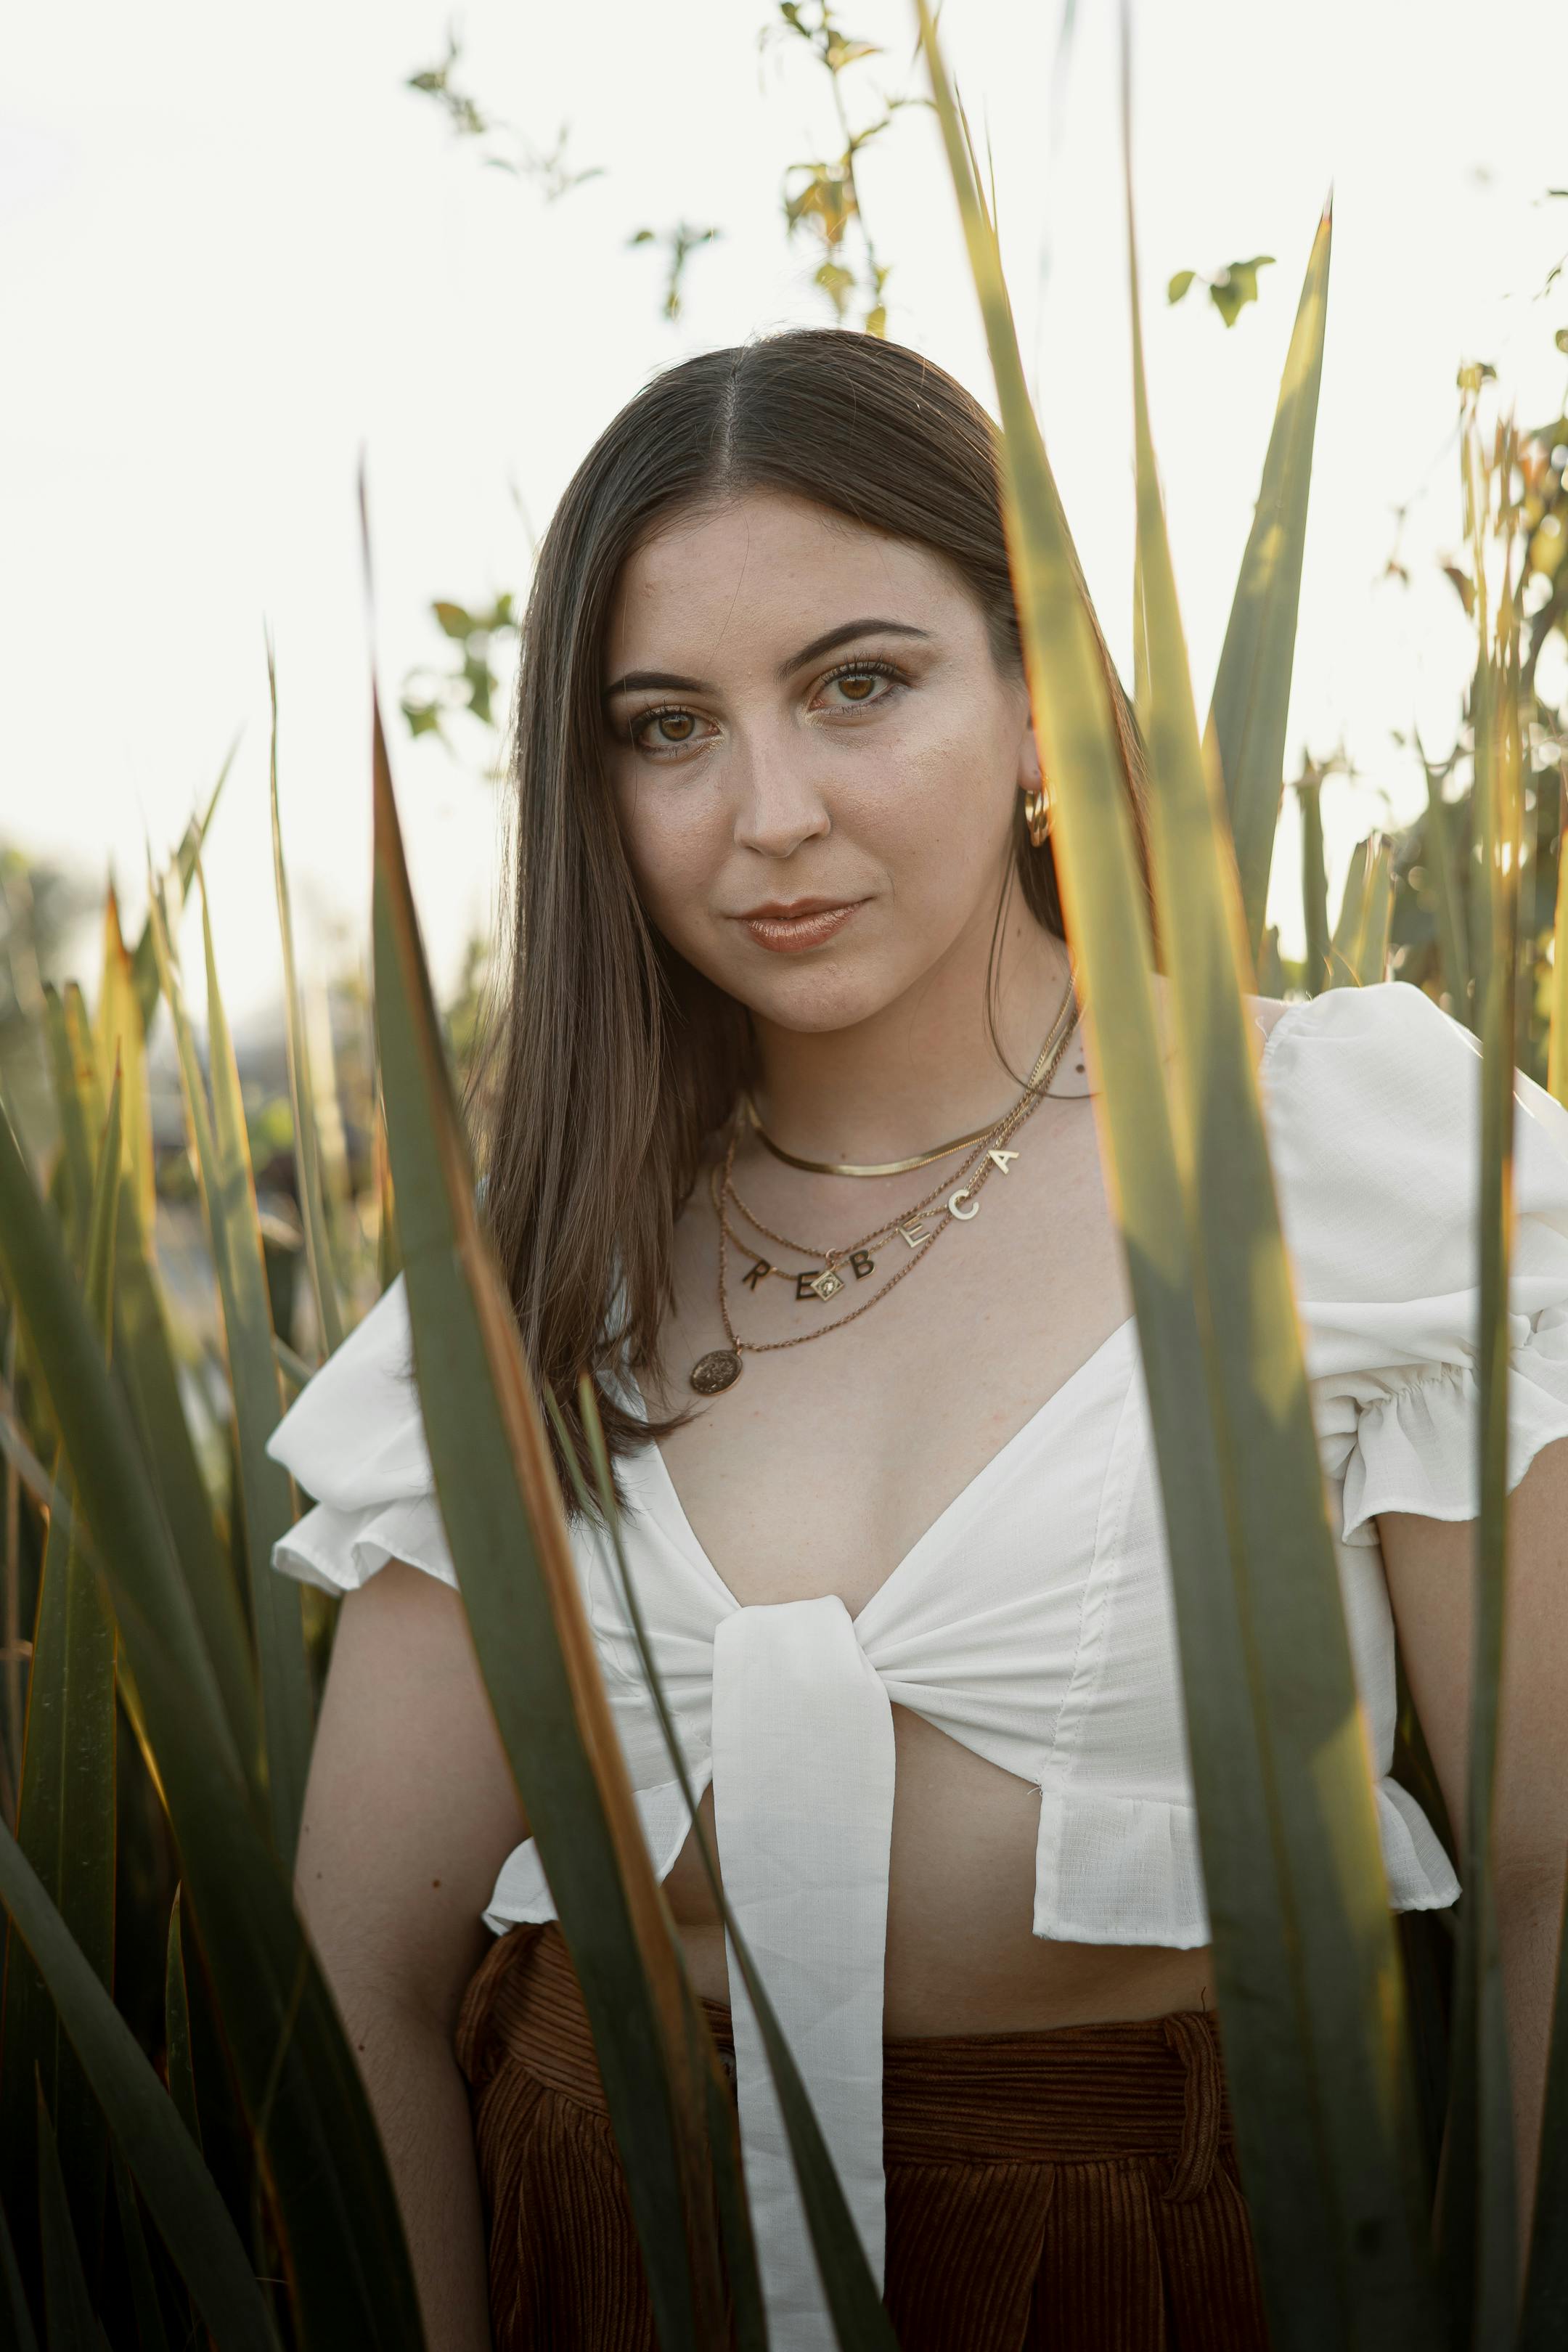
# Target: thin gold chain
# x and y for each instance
(1022, 1110)
(989, 1139)
(851, 1167)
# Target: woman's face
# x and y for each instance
(815, 760)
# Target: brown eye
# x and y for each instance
(861, 685)
(669, 729)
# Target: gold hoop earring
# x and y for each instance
(1037, 813)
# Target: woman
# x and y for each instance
(796, 1148)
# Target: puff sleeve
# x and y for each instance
(355, 1438)
(1373, 1104)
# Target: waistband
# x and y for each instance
(1067, 2094)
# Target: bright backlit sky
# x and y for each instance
(236, 248)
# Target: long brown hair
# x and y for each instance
(615, 1061)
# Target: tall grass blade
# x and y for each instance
(508, 1533)
(182, 2197)
(1350, 926)
(302, 1090)
(1253, 1919)
(1314, 881)
(354, 2290)
(144, 972)
(120, 1037)
(66, 1817)
(17, 2330)
(858, 2315)
(151, 2336)
(222, 1155)
(177, 2027)
(1342, 1970)
(1252, 686)
(1543, 2323)
(76, 1150)
(145, 1356)
(1478, 2206)
(69, 2322)
(1452, 930)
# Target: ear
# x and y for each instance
(1029, 769)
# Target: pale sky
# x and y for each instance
(236, 248)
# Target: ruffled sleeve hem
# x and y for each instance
(340, 1551)
(1113, 1869)
(354, 1439)
(1374, 1109)
(1415, 1445)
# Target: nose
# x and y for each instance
(778, 806)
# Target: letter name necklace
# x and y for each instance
(721, 1367)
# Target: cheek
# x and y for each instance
(675, 844)
(946, 817)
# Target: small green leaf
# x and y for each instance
(1181, 285)
(67, 2305)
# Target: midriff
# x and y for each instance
(961, 1954)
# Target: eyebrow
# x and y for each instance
(826, 643)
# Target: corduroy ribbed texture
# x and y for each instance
(1067, 2192)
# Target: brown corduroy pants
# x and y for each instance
(1065, 2191)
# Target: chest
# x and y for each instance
(829, 1459)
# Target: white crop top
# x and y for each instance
(1033, 1619)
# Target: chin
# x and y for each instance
(815, 1002)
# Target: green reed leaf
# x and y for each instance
(145, 970)
(222, 1155)
(17, 2330)
(503, 1518)
(69, 2320)
(1256, 1967)
(177, 2027)
(151, 2336)
(66, 1816)
(354, 2290)
(1337, 1981)
(1477, 2210)
(181, 2194)
(302, 1091)
(1314, 882)
(1252, 686)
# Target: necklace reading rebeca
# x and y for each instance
(721, 1367)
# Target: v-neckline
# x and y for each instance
(989, 1469)
(967, 1494)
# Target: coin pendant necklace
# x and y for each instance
(721, 1367)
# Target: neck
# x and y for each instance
(926, 1066)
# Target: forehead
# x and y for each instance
(762, 572)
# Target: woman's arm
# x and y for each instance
(1430, 1567)
(410, 1810)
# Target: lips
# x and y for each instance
(804, 923)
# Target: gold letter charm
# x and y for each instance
(913, 1232)
(954, 1210)
(1000, 1158)
(756, 1273)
